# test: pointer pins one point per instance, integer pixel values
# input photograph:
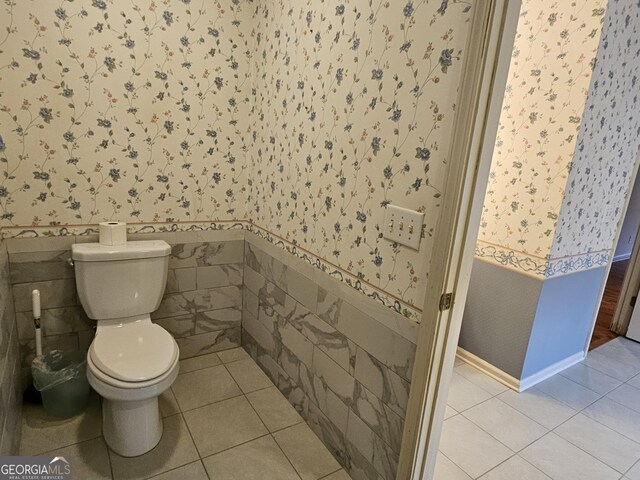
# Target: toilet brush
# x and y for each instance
(35, 302)
(31, 395)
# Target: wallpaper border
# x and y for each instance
(577, 263)
(506, 257)
(387, 299)
(362, 286)
(540, 267)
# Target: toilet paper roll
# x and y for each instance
(113, 233)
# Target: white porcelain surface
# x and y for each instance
(132, 424)
(134, 353)
(124, 288)
(131, 361)
(131, 428)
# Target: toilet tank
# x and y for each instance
(120, 281)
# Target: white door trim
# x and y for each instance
(486, 66)
(631, 283)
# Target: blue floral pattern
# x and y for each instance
(354, 108)
(301, 121)
(550, 71)
(601, 174)
(136, 112)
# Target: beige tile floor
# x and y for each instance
(223, 420)
(582, 424)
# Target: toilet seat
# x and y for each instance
(133, 355)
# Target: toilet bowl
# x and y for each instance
(131, 360)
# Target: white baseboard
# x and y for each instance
(624, 256)
(488, 369)
(550, 371)
(512, 382)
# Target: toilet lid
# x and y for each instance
(134, 353)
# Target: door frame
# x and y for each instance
(631, 282)
(485, 71)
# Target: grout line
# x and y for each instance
(521, 458)
(327, 476)
(208, 403)
(113, 475)
(553, 430)
(67, 445)
(630, 468)
(206, 472)
(232, 447)
(175, 468)
(287, 456)
(191, 437)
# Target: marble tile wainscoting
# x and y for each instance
(201, 307)
(340, 358)
(342, 361)
(10, 389)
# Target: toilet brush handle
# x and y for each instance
(38, 342)
(35, 303)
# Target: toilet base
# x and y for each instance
(131, 428)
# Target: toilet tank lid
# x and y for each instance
(95, 252)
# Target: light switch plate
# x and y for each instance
(403, 226)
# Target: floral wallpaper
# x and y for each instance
(298, 121)
(353, 108)
(549, 76)
(131, 111)
(602, 170)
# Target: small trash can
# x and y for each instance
(61, 378)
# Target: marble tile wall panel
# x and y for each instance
(398, 323)
(10, 399)
(220, 319)
(308, 350)
(10, 382)
(392, 389)
(203, 296)
(54, 321)
(211, 342)
(206, 254)
(202, 305)
(339, 310)
(219, 275)
(332, 436)
(53, 294)
(179, 326)
(390, 348)
(40, 266)
(297, 285)
(181, 280)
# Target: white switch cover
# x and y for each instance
(403, 226)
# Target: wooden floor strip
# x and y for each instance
(602, 334)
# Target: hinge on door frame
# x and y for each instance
(446, 300)
(634, 299)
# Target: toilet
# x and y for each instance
(131, 360)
